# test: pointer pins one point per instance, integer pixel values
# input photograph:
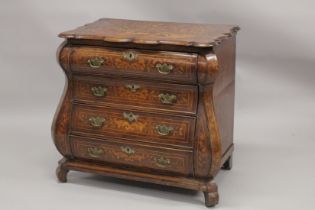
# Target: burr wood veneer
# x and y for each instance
(148, 101)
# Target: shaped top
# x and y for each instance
(151, 32)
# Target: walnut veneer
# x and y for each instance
(148, 101)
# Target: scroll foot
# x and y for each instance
(62, 171)
(211, 195)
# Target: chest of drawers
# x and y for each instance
(148, 101)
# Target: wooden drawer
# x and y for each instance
(178, 161)
(130, 124)
(171, 66)
(167, 97)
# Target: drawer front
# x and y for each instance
(178, 98)
(142, 126)
(170, 66)
(178, 161)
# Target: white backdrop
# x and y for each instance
(275, 105)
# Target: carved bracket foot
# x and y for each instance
(228, 163)
(62, 171)
(211, 195)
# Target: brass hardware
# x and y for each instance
(129, 56)
(164, 130)
(131, 117)
(95, 152)
(127, 150)
(164, 68)
(166, 98)
(96, 122)
(96, 62)
(99, 91)
(132, 87)
(162, 161)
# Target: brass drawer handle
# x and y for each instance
(131, 117)
(164, 68)
(162, 161)
(127, 150)
(166, 98)
(132, 87)
(99, 91)
(96, 122)
(164, 130)
(95, 152)
(96, 62)
(129, 56)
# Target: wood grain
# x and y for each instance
(113, 131)
(136, 175)
(180, 161)
(144, 66)
(224, 92)
(144, 128)
(61, 122)
(145, 96)
(153, 33)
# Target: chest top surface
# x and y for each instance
(153, 33)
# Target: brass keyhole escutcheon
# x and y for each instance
(132, 87)
(127, 150)
(130, 56)
(131, 117)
